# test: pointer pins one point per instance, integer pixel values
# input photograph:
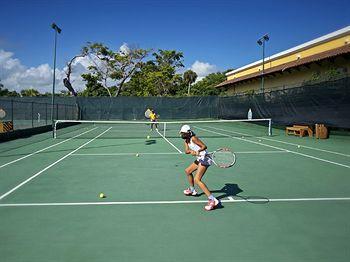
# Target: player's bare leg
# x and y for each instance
(189, 170)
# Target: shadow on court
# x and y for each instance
(226, 191)
(150, 142)
(25, 141)
(231, 190)
(70, 149)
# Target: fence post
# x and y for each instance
(12, 111)
(32, 114)
(46, 114)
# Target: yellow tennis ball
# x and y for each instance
(102, 195)
(298, 146)
(148, 137)
(137, 155)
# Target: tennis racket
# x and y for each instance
(223, 157)
(2, 113)
(148, 113)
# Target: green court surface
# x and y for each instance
(286, 198)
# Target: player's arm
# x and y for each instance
(199, 142)
(188, 150)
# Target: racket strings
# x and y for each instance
(223, 158)
(148, 113)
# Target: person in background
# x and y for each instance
(153, 117)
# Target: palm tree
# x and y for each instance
(189, 78)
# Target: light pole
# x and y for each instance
(261, 41)
(57, 30)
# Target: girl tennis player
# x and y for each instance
(195, 147)
(153, 117)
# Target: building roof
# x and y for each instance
(302, 61)
(317, 41)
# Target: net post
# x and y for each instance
(164, 128)
(270, 127)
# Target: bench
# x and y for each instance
(299, 130)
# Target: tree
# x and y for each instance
(6, 92)
(30, 92)
(112, 70)
(93, 87)
(169, 57)
(207, 86)
(64, 93)
(189, 78)
(66, 81)
(157, 77)
(167, 63)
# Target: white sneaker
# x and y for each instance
(189, 192)
(212, 204)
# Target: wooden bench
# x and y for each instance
(299, 130)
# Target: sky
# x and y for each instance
(214, 35)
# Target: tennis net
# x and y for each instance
(169, 129)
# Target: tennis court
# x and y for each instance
(286, 198)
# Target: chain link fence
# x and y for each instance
(30, 114)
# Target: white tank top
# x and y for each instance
(193, 146)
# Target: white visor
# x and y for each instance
(185, 129)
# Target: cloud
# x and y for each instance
(8, 64)
(203, 69)
(16, 76)
(124, 49)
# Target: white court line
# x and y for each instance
(275, 147)
(279, 141)
(274, 140)
(46, 168)
(127, 154)
(261, 152)
(309, 147)
(169, 142)
(169, 153)
(173, 202)
(41, 150)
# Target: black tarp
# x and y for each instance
(326, 102)
(129, 108)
